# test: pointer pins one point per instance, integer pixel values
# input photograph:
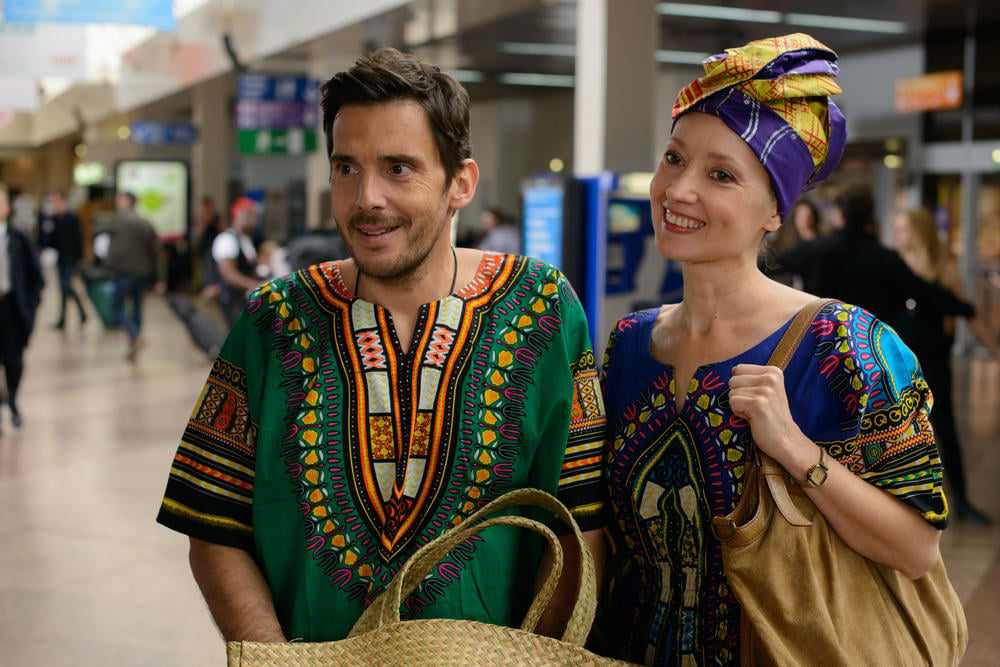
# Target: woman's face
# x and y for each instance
(902, 234)
(711, 197)
(805, 223)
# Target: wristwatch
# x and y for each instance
(816, 475)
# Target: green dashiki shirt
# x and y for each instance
(322, 448)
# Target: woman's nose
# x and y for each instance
(681, 186)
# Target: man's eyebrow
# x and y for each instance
(406, 159)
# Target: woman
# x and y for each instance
(686, 388)
(930, 333)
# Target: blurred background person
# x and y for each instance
(234, 253)
(804, 229)
(930, 333)
(21, 284)
(272, 260)
(805, 217)
(134, 258)
(851, 264)
(209, 227)
(65, 237)
(502, 232)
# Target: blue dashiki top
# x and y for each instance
(853, 387)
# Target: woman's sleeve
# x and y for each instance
(894, 447)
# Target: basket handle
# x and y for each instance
(385, 608)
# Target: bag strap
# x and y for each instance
(796, 332)
(385, 608)
(774, 475)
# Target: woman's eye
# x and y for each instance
(722, 176)
(671, 157)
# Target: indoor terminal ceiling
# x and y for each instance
(538, 41)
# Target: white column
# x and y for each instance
(591, 86)
(210, 155)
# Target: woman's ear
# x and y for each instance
(774, 222)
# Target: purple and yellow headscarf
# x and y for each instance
(774, 93)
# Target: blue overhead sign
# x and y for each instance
(151, 133)
(263, 87)
(264, 102)
(157, 14)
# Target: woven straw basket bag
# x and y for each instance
(381, 638)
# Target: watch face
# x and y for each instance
(817, 475)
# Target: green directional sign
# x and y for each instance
(277, 141)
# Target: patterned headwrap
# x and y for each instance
(774, 93)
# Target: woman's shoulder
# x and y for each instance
(641, 320)
(858, 352)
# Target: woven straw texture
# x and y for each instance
(423, 643)
(380, 638)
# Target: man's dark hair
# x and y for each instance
(857, 205)
(388, 75)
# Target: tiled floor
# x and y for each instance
(88, 578)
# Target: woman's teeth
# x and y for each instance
(680, 221)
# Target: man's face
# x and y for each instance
(4, 205)
(388, 191)
(58, 203)
(122, 202)
(245, 221)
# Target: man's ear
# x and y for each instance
(463, 185)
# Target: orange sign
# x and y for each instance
(938, 90)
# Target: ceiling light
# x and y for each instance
(844, 23)
(465, 75)
(530, 79)
(680, 57)
(533, 49)
(690, 10)
(714, 12)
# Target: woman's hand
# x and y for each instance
(757, 394)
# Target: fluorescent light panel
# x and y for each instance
(690, 10)
(680, 57)
(533, 49)
(466, 75)
(845, 23)
(531, 79)
(716, 12)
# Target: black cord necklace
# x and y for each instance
(454, 274)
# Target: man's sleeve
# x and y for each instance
(209, 492)
(580, 479)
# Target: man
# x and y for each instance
(134, 257)
(21, 284)
(359, 408)
(236, 258)
(502, 233)
(68, 242)
(209, 227)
